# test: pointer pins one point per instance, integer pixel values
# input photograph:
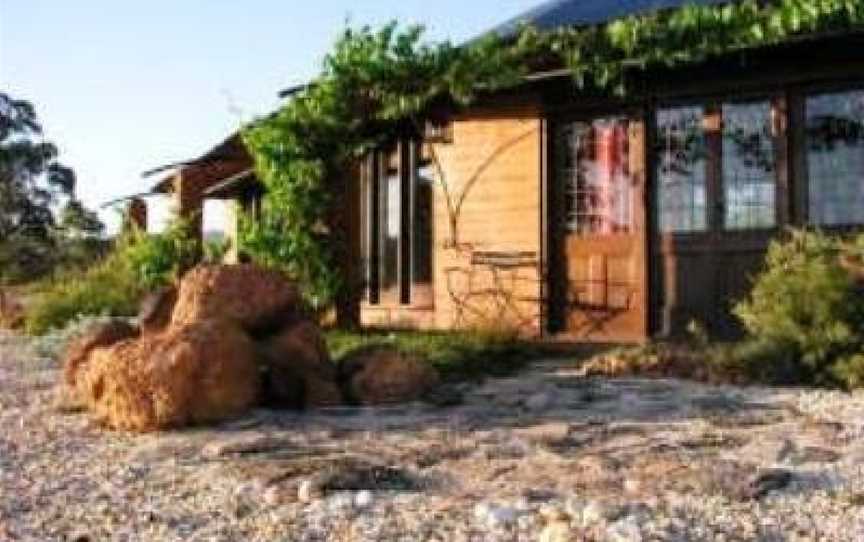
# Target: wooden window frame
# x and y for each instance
(407, 150)
(371, 225)
(798, 94)
(573, 225)
(712, 104)
(652, 163)
(779, 115)
(793, 179)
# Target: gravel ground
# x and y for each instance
(547, 456)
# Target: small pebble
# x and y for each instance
(308, 491)
(364, 499)
(500, 517)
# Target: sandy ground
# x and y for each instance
(546, 455)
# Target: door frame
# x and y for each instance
(553, 234)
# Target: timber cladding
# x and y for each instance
(524, 239)
(487, 239)
(486, 235)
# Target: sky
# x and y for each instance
(122, 87)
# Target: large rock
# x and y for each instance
(99, 335)
(381, 376)
(156, 310)
(11, 312)
(190, 374)
(258, 299)
(299, 371)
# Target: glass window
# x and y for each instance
(835, 158)
(594, 169)
(749, 166)
(390, 216)
(681, 169)
(398, 264)
(369, 204)
(423, 226)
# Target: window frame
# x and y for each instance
(778, 115)
(715, 208)
(798, 142)
(375, 171)
(571, 221)
(652, 149)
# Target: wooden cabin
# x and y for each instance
(225, 172)
(567, 213)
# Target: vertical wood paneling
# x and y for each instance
(493, 173)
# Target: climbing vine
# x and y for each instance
(375, 83)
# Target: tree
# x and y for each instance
(33, 186)
(76, 221)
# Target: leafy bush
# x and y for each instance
(114, 286)
(760, 361)
(107, 289)
(808, 304)
(804, 315)
(160, 258)
(215, 250)
(456, 355)
(849, 371)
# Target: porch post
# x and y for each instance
(189, 202)
(135, 216)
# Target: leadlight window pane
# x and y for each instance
(594, 170)
(681, 169)
(835, 158)
(749, 166)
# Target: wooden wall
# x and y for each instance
(489, 273)
(487, 238)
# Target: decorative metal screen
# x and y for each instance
(681, 169)
(594, 170)
(835, 158)
(749, 166)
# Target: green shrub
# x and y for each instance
(760, 361)
(456, 355)
(807, 306)
(158, 259)
(107, 289)
(849, 371)
(114, 286)
(215, 250)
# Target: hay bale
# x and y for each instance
(258, 299)
(190, 374)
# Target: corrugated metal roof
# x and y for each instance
(559, 13)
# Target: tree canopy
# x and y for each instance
(38, 208)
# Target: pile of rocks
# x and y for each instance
(228, 338)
